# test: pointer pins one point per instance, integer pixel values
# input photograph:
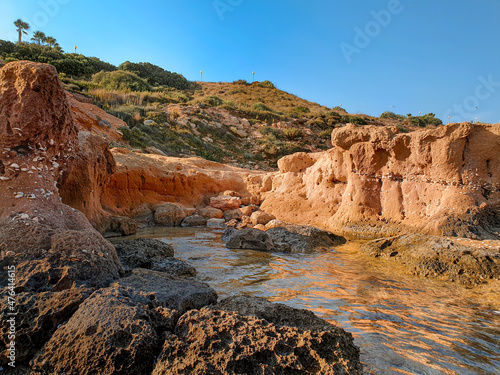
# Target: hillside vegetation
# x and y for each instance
(246, 124)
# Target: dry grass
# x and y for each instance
(256, 96)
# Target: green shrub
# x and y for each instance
(292, 133)
(268, 84)
(353, 120)
(120, 80)
(269, 130)
(392, 116)
(301, 109)
(155, 75)
(261, 107)
(213, 101)
(422, 121)
(241, 82)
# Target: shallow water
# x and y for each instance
(403, 324)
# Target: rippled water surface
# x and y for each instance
(403, 324)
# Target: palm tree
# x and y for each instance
(39, 37)
(50, 41)
(21, 27)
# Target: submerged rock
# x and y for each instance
(290, 239)
(439, 257)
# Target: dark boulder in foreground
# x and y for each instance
(440, 257)
(152, 254)
(165, 290)
(111, 333)
(220, 342)
(290, 239)
(143, 252)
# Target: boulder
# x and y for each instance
(438, 257)
(211, 213)
(175, 267)
(297, 239)
(225, 202)
(143, 252)
(260, 217)
(211, 341)
(233, 214)
(194, 221)
(38, 316)
(164, 290)
(110, 333)
(215, 223)
(171, 214)
(275, 223)
(123, 225)
(247, 210)
(248, 239)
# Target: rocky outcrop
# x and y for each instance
(53, 246)
(111, 333)
(450, 259)
(210, 341)
(164, 290)
(152, 254)
(377, 181)
(38, 317)
(143, 252)
(290, 239)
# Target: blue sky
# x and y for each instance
(440, 56)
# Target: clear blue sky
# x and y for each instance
(440, 56)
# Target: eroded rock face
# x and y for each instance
(210, 341)
(111, 333)
(53, 246)
(142, 179)
(438, 257)
(39, 315)
(444, 181)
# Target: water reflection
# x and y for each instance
(403, 324)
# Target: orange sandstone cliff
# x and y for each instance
(376, 181)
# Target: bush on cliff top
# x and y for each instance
(120, 80)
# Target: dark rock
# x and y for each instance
(143, 252)
(439, 257)
(219, 342)
(194, 221)
(235, 214)
(57, 260)
(38, 316)
(175, 267)
(167, 291)
(276, 313)
(109, 334)
(248, 239)
(293, 239)
(123, 225)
